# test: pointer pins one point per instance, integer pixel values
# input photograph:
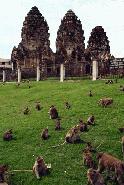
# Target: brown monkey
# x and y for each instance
(104, 102)
(94, 177)
(53, 112)
(72, 135)
(44, 134)
(82, 126)
(90, 94)
(111, 163)
(3, 174)
(121, 88)
(58, 125)
(89, 147)
(26, 111)
(109, 82)
(121, 129)
(7, 136)
(67, 105)
(38, 106)
(90, 120)
(87, 158)
(40, 168)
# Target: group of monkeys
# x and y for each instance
(106, 162)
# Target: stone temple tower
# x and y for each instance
(98, 48)
(70, 43)
(34, 48)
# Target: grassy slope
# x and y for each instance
(21, 153)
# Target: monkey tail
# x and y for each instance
(55, 146)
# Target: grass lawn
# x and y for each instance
(66, 160)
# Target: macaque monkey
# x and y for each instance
(26, 111)
(104, 102)
(90, 120)
(53, 112)
(7, 136)
(109, 82)
(89, 147)
(87, 158)
(67, 105)
(58, 125)
(44, 134)
(82, 126)
(72, 135)
(94, 177)
(111, 163)
(3, 175)
(90, 94)
(38, 106)
(121, 88)
(121, 129)
(40, 168)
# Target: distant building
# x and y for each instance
(5, 63)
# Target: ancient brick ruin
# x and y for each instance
(70, 44)
(34, 49)
(98, 48)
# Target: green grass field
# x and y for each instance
(66, 160)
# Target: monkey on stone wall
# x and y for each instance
(40, 168)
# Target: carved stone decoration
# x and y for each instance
(34, 47)
(98, 49)
(70, 43)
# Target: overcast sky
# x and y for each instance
(106, 13)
